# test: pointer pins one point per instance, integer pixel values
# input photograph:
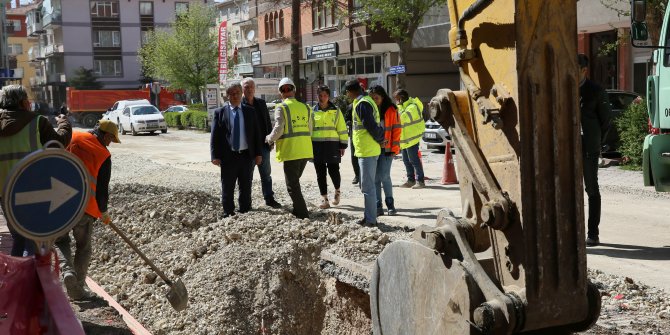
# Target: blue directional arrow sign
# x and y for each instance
(46, 194)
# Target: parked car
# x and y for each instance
(435, 136)
(141, 118)
(177, 108)
(619, 101)
(114, 113)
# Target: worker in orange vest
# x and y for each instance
(390, 147)
(91, 148)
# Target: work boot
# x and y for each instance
(355, 181)
(380, 211)
(74, 290)
(592, 242)
(419, 185)
(336, 199)
(273, 203)
(408, 184)
(324, 202)
(391, 206)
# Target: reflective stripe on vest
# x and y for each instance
(413, 126)
(296, 141)
(364, 144)
(93, 154)
(14, 148)
(325, 122)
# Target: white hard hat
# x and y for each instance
(286, 81)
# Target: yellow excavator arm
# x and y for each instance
(516, 127)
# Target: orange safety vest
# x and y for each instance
(392, 130)
(92, 153)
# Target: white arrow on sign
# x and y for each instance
(57, 195)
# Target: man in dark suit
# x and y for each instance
(235, 146)
(265, 127)
(595, 112)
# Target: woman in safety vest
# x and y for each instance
(390, 119)
(329, 140)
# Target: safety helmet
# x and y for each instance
(286, 81)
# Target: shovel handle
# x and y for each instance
(134, 247)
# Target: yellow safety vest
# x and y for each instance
(364, 144)
(16, 147)
(411, 122)
(329, 126)
(296, 142)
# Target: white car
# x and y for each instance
(114, 113)
(142, 118)
(435, 136)
(177, 108)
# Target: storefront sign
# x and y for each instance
(398, 69)
(223, 52)
(256, 58)
(328, 50)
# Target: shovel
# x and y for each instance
(177, 296)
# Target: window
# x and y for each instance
(106, 38)
(274, 25)
(107, 67)
(104, 8)
(323, 15)
(144, 36)
(13, 26)
(146, 8)
(180, 7)
(15, 49)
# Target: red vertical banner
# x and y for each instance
(223, 52)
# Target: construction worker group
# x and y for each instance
(380, 129)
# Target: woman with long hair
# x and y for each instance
(388, 114)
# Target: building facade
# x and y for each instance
(604, 36)
(18, 45)
(94, 34)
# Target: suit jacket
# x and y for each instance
(595, 113)
(221, 129)
(263, 117)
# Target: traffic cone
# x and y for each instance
(448, 172)
(424, 170)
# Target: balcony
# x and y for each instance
(37, 81)
(52, 49)
(245, 68)
(34, 29)
(52, 20)
(35, 54)
(56, 78)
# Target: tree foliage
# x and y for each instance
(633, 128)
(401, 18)
(84, 79)
(187, 55)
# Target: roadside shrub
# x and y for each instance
(186, 118)
(633, 128)
(173, 119)
(196, 107)
(199, 120)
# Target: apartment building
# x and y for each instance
(335, 47)
(621, 67)
(17, 45)
(94, 34)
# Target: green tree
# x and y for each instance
(186, 56)
(633, 128)
(401, 18)
(84, 79)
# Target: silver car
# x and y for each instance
(435, 136)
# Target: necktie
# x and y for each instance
(236, 129)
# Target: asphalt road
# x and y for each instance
(634, 229)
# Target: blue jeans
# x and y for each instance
(265, 169)
(383, 179)
(410, 157)
(368, 169)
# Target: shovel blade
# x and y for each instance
(178, 296)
